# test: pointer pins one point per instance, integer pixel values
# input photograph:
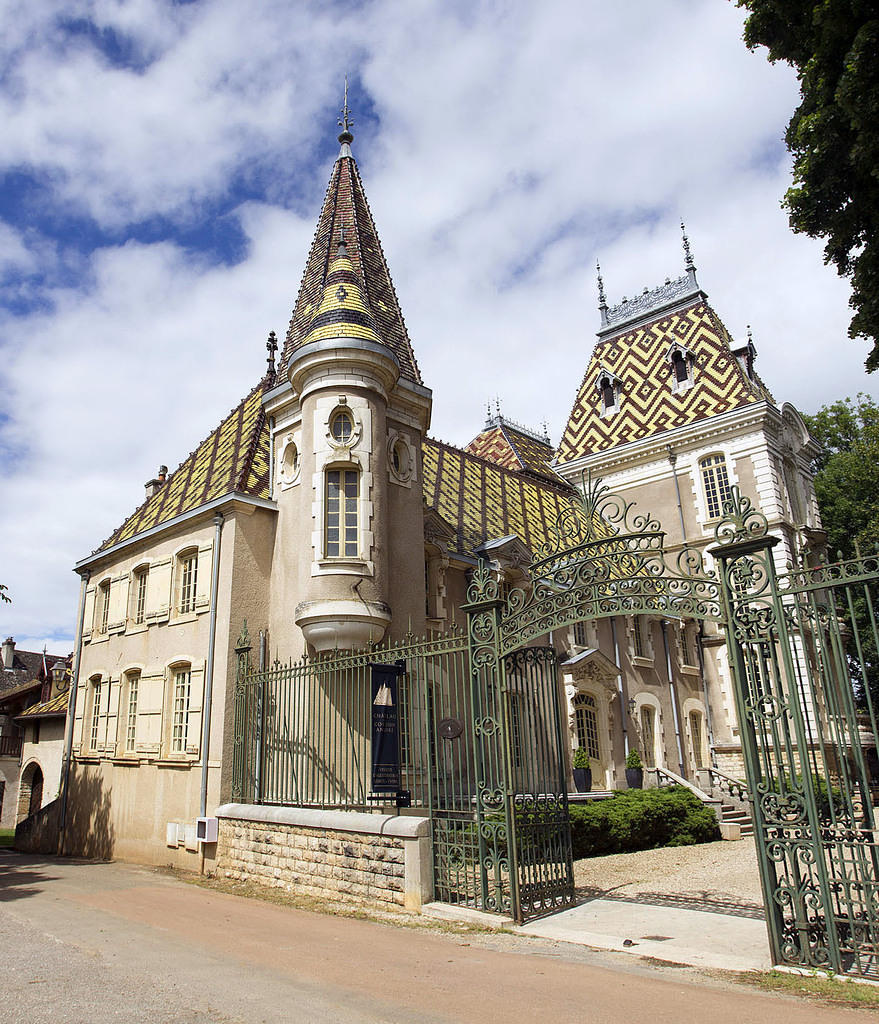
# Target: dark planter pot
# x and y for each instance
(582, 779)
(635, 778)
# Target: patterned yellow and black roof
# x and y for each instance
(648, 404)
(343, 311)
(57, 706)
(481, 500)
(506, 446)
(345, 207)
(234, 457)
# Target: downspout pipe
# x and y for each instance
(84, 576)
(624, 709)
(674, 697)
(209, 667)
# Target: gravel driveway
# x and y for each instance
(716, 876)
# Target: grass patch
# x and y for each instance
(817, 987)
(7, 837)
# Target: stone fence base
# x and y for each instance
(39, 832)
(363, 858)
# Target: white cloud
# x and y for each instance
(507, 146)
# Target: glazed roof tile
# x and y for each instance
(57, 706)
(345, 207)
(343, 311)
(234, 457)
(512, 448)
(480, 499)
(638, 359)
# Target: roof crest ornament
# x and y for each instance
(602, 298)
(272, 348)
(689, 265)
(346, 123)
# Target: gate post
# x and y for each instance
(787, 826)
(241, 727)
(497, 837)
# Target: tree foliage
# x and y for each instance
(847, 489)
(833, 135)
(847, 481)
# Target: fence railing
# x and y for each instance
(10, 746)
(303, 729)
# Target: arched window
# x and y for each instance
(697, 745)
(180, 695)
(139, 595)
(716, 483)
(680, 366)
(647, 718)
(132, 686)
(341, 526)
(187, 575)
(586, 723)
(103, 609)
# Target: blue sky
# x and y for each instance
(162, 171)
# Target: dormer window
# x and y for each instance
(609, 389)
(682, 362)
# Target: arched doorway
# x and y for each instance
(30, 797)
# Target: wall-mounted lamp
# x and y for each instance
(631, 705)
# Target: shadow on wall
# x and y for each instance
(89, 832)
(38, 833)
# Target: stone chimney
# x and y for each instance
(152, 486)
(8, 652)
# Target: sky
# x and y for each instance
(162, 170)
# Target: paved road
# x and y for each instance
(99, 943)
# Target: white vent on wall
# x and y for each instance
(206, 829)
(174, 834)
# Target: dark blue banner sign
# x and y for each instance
(386, 728)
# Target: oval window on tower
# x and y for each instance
(289, 462)
(342, 427)
(400, 459)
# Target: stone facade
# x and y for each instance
(327, 854)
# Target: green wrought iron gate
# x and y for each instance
(795, 641)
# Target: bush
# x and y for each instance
(641, 819)
(580, 759)
(633, 759)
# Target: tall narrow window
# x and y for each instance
(608, 394)
(141, 578)
(580, 637)
(681, 369)
(180, 720)
(96, 713)
(343, 488)
(131, 711)
(648, 734)
(586, 722)
(716, 482)
(104, 606)
(698, 746)
(188, 581)
(638, 637)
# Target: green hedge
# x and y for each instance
(641, 819)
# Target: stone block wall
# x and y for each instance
(371, 858)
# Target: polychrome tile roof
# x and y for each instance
(343, 311)
(507, 446)
(55, 706)
(480, 499)
(234, 457)
(648, 405)
(345, 206)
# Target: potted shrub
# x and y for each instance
(634, 770)
(582, 770)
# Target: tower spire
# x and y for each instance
(346, 123)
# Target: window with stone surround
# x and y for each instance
(132, 685)
(187, 575)
(715, 480)
(102, 616)
(181, 695)
(341, 513)
(139, 596)
(586, 723)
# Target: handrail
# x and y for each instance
(679, 780)
(10, 746)
(735, 787)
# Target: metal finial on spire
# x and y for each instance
(346, 122)
(497, 405)
(602, 298)
(750, 336)
(688, 256)
(272, 348)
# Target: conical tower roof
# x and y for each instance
(343, 311)
(346, 214)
